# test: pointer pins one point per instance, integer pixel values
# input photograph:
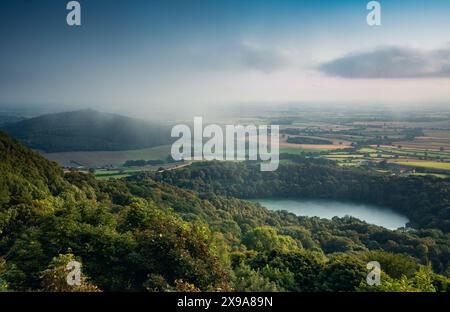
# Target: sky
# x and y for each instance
(146, 56)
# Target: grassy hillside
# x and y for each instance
(88, 130)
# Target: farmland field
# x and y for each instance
(297, 150)
(313, 146)
(107, 158)
(426, 164)
(114, 174)
(413, 152)
(363, 140)
(437, 175)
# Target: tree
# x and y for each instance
(422, 281)
(267, 239)
(247, 279)
(54, 278)
(342, 273)
(395, 265)
(3, 283)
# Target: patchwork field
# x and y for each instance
(115, 174)
(107, 158)
(426, 164)
(415, 144)
(297, 150)
(312, 146)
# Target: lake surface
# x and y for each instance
(330, 208)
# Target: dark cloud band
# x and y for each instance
(391, 62)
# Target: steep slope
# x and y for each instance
(25, 174)
(133, 245)
(87, 130)
(8, 119)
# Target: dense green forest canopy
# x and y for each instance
(425, 200)
(146, 233)
(88, 130)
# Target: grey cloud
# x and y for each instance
(391, 62)
(239, 56)
(261, 59)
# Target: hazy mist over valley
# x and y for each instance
(226, 153)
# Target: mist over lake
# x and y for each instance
(330, 208)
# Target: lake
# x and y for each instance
(330, 208)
